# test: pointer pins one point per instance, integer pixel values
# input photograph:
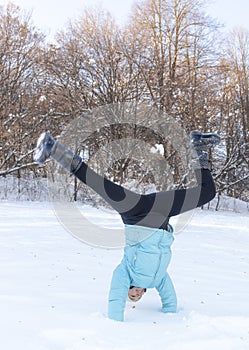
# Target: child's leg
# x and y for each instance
(151, 210)
(176, 202)
(120, 198)
(154, 209)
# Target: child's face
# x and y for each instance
(135, 293)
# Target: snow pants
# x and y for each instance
(149, 210)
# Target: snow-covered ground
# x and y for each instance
(54, 288)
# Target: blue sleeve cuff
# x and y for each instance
(170, 309)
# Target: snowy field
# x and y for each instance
(54, 289)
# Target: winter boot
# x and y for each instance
(44, 147)
(48, 147)
(199, 144)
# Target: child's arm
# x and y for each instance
(168, 295)
(118, 293)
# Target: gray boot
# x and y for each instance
(199, 145)
(48, 147)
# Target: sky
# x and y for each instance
(51, 15)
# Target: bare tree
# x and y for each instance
(233, 177)
(87, 64)
(20, 45)
(171, 44)
(166, 57)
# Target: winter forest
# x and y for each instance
(169, 54)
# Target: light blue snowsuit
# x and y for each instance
(146, 257)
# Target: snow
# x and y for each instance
(157, 149)
(54, 288)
